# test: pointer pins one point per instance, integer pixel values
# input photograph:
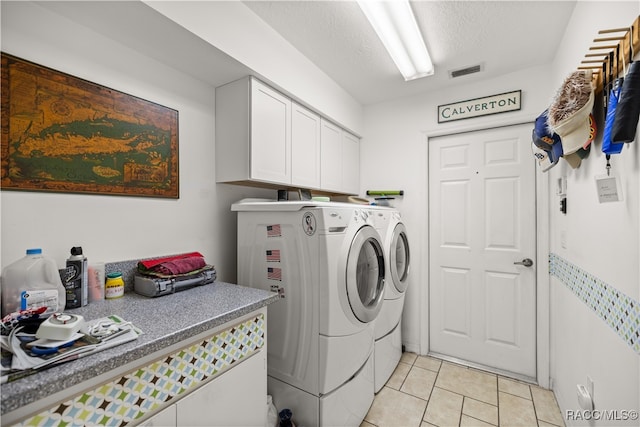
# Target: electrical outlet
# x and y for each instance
(584, 398)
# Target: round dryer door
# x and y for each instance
(399, 258)
(365, 274)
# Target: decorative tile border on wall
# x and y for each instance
(619, 311)
(128, 398)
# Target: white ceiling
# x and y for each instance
(501, 36)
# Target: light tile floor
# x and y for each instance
(425, 392)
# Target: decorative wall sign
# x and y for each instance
(501, 103)
(61, 133)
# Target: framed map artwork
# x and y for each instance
(65, 134)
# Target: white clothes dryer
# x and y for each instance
(388, 324)
(327, 262)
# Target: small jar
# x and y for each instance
(114, 287)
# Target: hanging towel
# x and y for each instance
(628, 109)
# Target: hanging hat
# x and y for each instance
(569, 113)
(547, 141)
(544, 161)
(542, 136)
(573, 159)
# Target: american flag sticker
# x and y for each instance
(274, 230)
(274, 273)
(273, 255)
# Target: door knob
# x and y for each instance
(527, 262)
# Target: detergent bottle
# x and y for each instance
(77, 279)
(32, 282)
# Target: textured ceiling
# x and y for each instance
(501, 36)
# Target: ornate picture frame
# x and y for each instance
(64, 134)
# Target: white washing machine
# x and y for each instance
(388, 324)
(327, 262)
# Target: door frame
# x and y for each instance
(542, 252)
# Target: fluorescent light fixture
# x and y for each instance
(396, 26)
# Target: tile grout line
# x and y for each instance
(475, 418)
(498, 398)
(465, 398)
(424, 413)
(535, 410)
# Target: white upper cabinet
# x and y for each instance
(305, 147)
(340, 159)
(253, 133)
(331, 157)
(263, 136)
(350, 163)
(270, 135)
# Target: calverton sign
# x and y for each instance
(494, 104)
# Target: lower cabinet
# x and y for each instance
(217, 378)
(224, 401)
(165, 418)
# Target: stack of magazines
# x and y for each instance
(96, 335)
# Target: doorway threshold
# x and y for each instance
(479, 366)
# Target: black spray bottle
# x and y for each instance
(76, 280)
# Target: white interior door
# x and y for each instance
(481, 224)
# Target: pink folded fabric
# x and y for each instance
(150, 263)
(180, 266)
(173, 265)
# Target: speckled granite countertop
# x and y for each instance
(164, 320)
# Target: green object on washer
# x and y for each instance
(385, 192)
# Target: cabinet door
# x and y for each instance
(164, 418)
(236, 398)
(305, 147)
(350, 163)
(270, 135)
(330, 157)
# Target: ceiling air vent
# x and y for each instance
(465, 71)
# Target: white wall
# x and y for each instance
(117, 228)
(394, 143)
(236, 30)
(112, 228)
(602, 239)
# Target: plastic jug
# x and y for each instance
(31, 282)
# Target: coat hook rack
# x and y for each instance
(603, 47)
(611, 55)
(609, 39)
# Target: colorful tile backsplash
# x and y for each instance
(619, 311)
